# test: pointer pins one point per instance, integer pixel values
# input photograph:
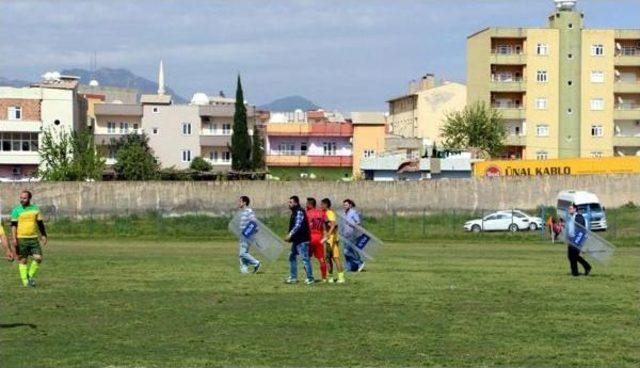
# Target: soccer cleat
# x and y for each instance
(361, 267)
(331, 280)
(324, 281)
(257, 267)
(309, 281)
(31, 283)
(340, 281)
(289, 280)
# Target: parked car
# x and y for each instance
(509, 220)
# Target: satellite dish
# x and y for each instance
(565, 4)
(620, 100)
(94, 83)
(617, 128)
(617, 72)
(618, 46)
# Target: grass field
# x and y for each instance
(483, 301)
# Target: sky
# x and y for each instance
(349, 55)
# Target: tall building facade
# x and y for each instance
(563, 90)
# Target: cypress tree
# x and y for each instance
(240, 139)
(257, 151)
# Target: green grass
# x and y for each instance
(321, 173)
(491, 301)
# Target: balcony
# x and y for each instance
(506, 57)
(627, 111)
(219, 140)
(105, 139)
(627, 53)
(324, 129)
(499, 84)
(626, 141)
(287, 160)
(297, 158)
(24, 126)
(627, 86)
(515, 140)
(19, 158)
(510, 110)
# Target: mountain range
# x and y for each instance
(126, 79)
(290, 103)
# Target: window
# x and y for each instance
(124, 128)
(597, 50)
(186, 155)
(14, 112)
(542, 130)
(541, 103)
(286, 148)
(504, 49)
(542, 49)
(597, 76)
(213, 156)
(135, 128)
(226, 156)
(212, 128)
(542, 76)
(111, 127)
(156, 110)
(597, 104)
(186, 128)
(226, 129)
(596, 154)
(155, 131)
(542, 155)
(303, 149)
(369, 153)
(19, 142)
(329, 148)
(597, 131)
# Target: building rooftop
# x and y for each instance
(368, 118)
(155, 99)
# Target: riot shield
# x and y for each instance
(259, 235)
(358, 238)
(590, 244)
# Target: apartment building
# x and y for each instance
(309, 143)
(177, 133)
(563, 90)
(369, 132)
(50, 105)
(421, 112)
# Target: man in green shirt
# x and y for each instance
(26, 223)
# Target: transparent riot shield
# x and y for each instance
(258, 235)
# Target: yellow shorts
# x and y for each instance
(333, 248)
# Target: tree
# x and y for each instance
(200, 164)
(69, 157)
(240, 139)
(257, 150)
(475, 127)
(135, 159)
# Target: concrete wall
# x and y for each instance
(121, 198)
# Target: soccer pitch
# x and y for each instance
(137, 303)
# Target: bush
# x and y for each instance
(200, 164)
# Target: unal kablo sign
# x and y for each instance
(574, 166)
(259, 235)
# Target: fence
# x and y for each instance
(395, 227)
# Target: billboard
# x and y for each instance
(572, 166)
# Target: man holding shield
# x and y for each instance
(575, 224)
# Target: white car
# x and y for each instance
(513, 221)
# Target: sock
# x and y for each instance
(340, 275)
(23, 273)
(323, 270)
(33, 268)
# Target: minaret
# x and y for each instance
(161, 79)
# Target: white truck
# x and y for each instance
(588, 205)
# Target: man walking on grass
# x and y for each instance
(299, 238)
(246, 216)
(316, 218)
(575, 223)
(353, 259)
(26, 223)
